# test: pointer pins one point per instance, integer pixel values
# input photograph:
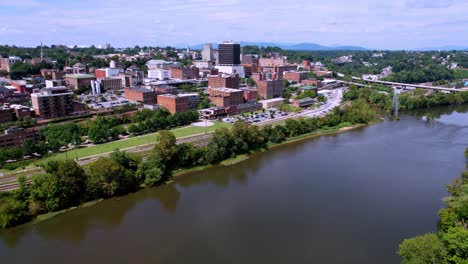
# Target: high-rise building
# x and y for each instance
(229, 59)
(229, 53)
(207, 53)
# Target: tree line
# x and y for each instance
(450, 244)
(66, 184)
(53, 137)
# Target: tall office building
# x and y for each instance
(229, 59)
(207, 53)
(229, 53)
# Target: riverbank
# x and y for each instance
(228, 162)
(232, 161)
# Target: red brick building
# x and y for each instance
(174, 103)
(52, 74)
(250, 94)
(6, 114)
(295, 76)
(185, 73)
(224, 81)
(141, 95)
(15, 137)
(311, 81)
(270, 88)
(226, 96)
(100, 73)
(166, 89)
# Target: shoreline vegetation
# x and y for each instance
(66, 185)
(450, 243)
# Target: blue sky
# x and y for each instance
(390, 24)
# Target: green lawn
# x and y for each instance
(461, 74)
(135, 141)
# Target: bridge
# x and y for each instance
(413, 85)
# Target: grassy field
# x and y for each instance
(135, 141)
(461, 74)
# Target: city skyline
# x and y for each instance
(401, 24)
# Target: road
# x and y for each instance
(334, 100)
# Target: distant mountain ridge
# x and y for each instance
(284, 46)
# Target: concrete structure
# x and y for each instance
(226, 96)
(15, 137)
(233, 69)
(224, 81)
(141, 95)
(159, 74)
(79, 81)
(272, 103)
(111, 84)
(155, 64)
(185, 73)
(207, 53)
(96, 87)
(174, 103)
(52, 102)
(79, 68)
(311, 81)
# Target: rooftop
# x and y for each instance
(141, 90)
(80, 76)
(271, 100)
(230, 90)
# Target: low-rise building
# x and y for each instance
(15, 137)
(295, 76)
(111, 84)
(79, 81)
(184, 73)
(6, 114)
(159, 74)
(166, 89)
(226, 96)
(52, 102)
(193, 99)
(174, 103)
(224, 81)
(250, 94)
(272, 103)
(52, 74)
(6, 63)
(304, 102)
(141, 95)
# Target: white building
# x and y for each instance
(160, 74)
(155, 64)
(272, 103)
(232, 69)
(207, 53)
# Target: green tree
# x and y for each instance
(422, 249)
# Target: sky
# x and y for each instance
(376, 24)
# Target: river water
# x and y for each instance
(346, 198)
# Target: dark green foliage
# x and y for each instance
(451, 243)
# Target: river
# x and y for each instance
(345, 198)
